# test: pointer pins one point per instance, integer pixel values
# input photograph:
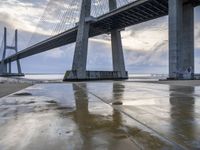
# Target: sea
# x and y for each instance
(59, 77)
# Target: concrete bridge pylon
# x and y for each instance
(79, 71)
(181, 39)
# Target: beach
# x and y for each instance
(175, 82)
(8, 88)
(116, 115)
(12, 85)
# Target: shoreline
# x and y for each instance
(192, 83)
(12, 85)
(9, 88)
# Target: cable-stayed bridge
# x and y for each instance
(112, 17)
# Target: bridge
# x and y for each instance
(181, 37)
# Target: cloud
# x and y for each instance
(55, 54)
(22, 15)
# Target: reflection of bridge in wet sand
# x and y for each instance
(81, 116)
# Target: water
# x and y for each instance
(59, 77)
(81, 115)
(44, 76)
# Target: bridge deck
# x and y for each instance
(131, 14)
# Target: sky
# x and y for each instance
(145, 45)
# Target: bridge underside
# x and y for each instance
(117, 19)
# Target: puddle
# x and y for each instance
(117, 103)
(51, 101)
(23, 94)
(30, 102)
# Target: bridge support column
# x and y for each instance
(181, 39)
(16, 50)
(81, 48)
(3, 64)
(3, 68)
(117, 50)
(10, 68)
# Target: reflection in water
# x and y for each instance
(142, 138)
(111, 131)
(94, 128)
(118, 91)
(67, 116)
(81, 116)
(182, 115)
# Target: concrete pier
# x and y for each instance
(181, 39)
(95, 75)
(81, 48)
(79, 65)
(3, 68)
(3, 65)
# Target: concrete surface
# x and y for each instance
(81, 115)
(192, 83)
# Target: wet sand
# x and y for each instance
(101, 115)
(174, 82)
(106, 115)
(8, 88)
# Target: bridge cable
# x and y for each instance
(57, 27)
(46, 13)
(68, 14)
(2, 48)
(57, 13)
(41, 20)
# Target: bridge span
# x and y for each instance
(181, 28)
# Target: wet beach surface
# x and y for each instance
(101, 115)
(8, 88)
